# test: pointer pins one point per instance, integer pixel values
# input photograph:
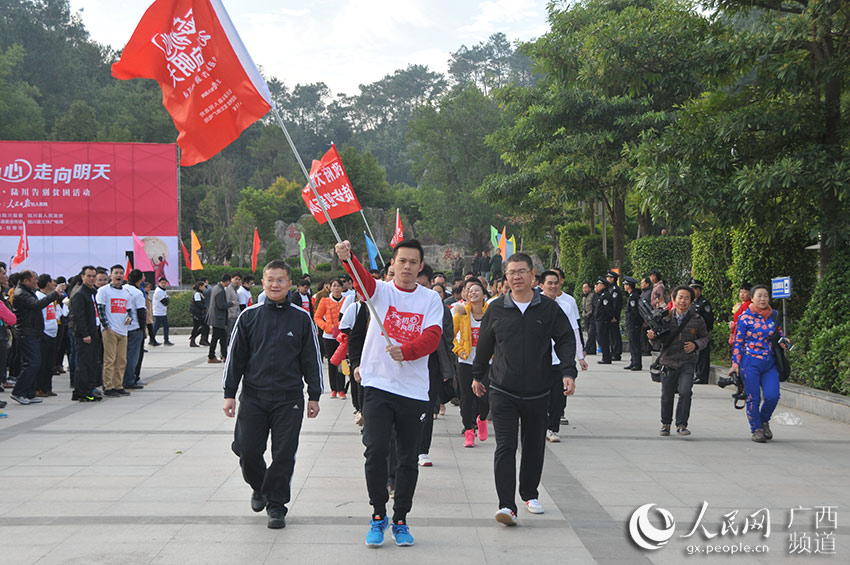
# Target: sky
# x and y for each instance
(343, 43)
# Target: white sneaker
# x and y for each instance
(506, 516)
(553, 436)
(534, 506)
(424, 460)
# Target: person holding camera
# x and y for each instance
(753, 357)
(682, 335)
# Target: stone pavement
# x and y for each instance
(151, 479)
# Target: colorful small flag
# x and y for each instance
(372, 249)
(503, 242)
(255, 252)
(23, 248)
(195, 263)
(128, 269)
(140, 256)
(398, 236)
(302, 245)
(333, 187)
(210, 86)
(510, 247)
(187, 261)
(494, 237)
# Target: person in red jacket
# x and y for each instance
(395, 381)
(327, 319)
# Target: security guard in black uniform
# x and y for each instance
(702, 307)
(603, 312)
(617, 299)
(634, 323)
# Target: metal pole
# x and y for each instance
(784, 317)
(331, 224)
(372, 236)
(604, 230)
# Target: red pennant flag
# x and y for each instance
(187, 261)
(23, 248)
(210, 85)
(255, 251)
(333, 187)
(398, 236)
(140, 256)
(128, 269)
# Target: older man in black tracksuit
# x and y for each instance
(519, 328)
(86, 336)
(273, 352)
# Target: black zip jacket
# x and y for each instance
(273, 352)
(522, 343)
(28, 310)
(83, 312)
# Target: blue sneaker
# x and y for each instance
(401, 535)
(375, 537)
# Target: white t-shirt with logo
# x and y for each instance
(245, 298)
(405, 315)
(116, 302)
(570, 308)
(49, 314)
(137, 302)
(159, 309)
(475, 327)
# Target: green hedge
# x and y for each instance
(178, 309)
(756, 259)
(671, 255)
(569, 242)
(593, 264)
(711, 255)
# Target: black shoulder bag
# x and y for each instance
(782, 365)
(656, 369)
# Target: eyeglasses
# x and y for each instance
(517, 273)
(277, 281)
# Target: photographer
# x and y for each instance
(753, 355)
(685, 335)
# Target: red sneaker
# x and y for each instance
(482, 429)
(333, 394)
(342, 394)
(469, 438)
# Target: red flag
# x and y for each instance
(398, 236)
(140, 256)
(255, 251)
(128, 269)
(333, 187)
(210, 85)
(23, 248)
(187, 261)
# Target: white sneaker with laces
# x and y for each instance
(424, 460)
(534, 506)
(506, 516)
(553, 436)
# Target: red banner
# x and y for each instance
(85, 200)
(210, 86)
(333, 187)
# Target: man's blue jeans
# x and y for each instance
(134, 348)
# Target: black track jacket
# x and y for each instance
(522, 344)
(273, 351)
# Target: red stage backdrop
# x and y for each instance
(83, 201)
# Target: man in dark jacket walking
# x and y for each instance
(86, 336)
(273, 353)
(30, 327)
(519, 328)
(217, 318)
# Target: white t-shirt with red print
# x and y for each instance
(406, 314)
(50, 315)
(118, 303)
(475, 327)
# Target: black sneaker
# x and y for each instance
(277, 518)
(168, 343)
(154, 343)
(134, 386)
(75, 396)
(258, 502)
(88, 398)
(122, 392)
(112, 393)
(665, 430)
(765, 426)
(96, 393)
(2, 403)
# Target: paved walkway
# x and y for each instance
(151, 479)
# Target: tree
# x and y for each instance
(77, 124)
(491, 65)
(20, 114)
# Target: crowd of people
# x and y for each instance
(504, 344)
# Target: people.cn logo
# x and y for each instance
(647, 536)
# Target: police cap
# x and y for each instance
(602, 280)
(696, 284)
(612, 274)
(630, 281)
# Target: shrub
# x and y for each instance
(178, 309)
(826, 363)
(671, 255)
(569, 243)
(711, 256)
(593, 264)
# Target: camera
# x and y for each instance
(652, 318)
(785, 341)
(739, 396)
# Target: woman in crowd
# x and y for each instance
(198, 311)
(744, 303)
(753, 359)
(467, 321)
(658, 297)
(327, 319)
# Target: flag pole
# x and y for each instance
(331, 224)
(372, 236)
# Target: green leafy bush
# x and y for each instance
(711, 256)
(671, 255)
(593, 264)
(570, 244)
(178, 309)
(826, 363)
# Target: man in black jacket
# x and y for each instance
(217, 318)
(30, 327)
(519, 328)
(86, 336)
(603, 313)
(634, 323)
(273, 352)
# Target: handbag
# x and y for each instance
(782, 365)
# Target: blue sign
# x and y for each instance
(781, 287)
